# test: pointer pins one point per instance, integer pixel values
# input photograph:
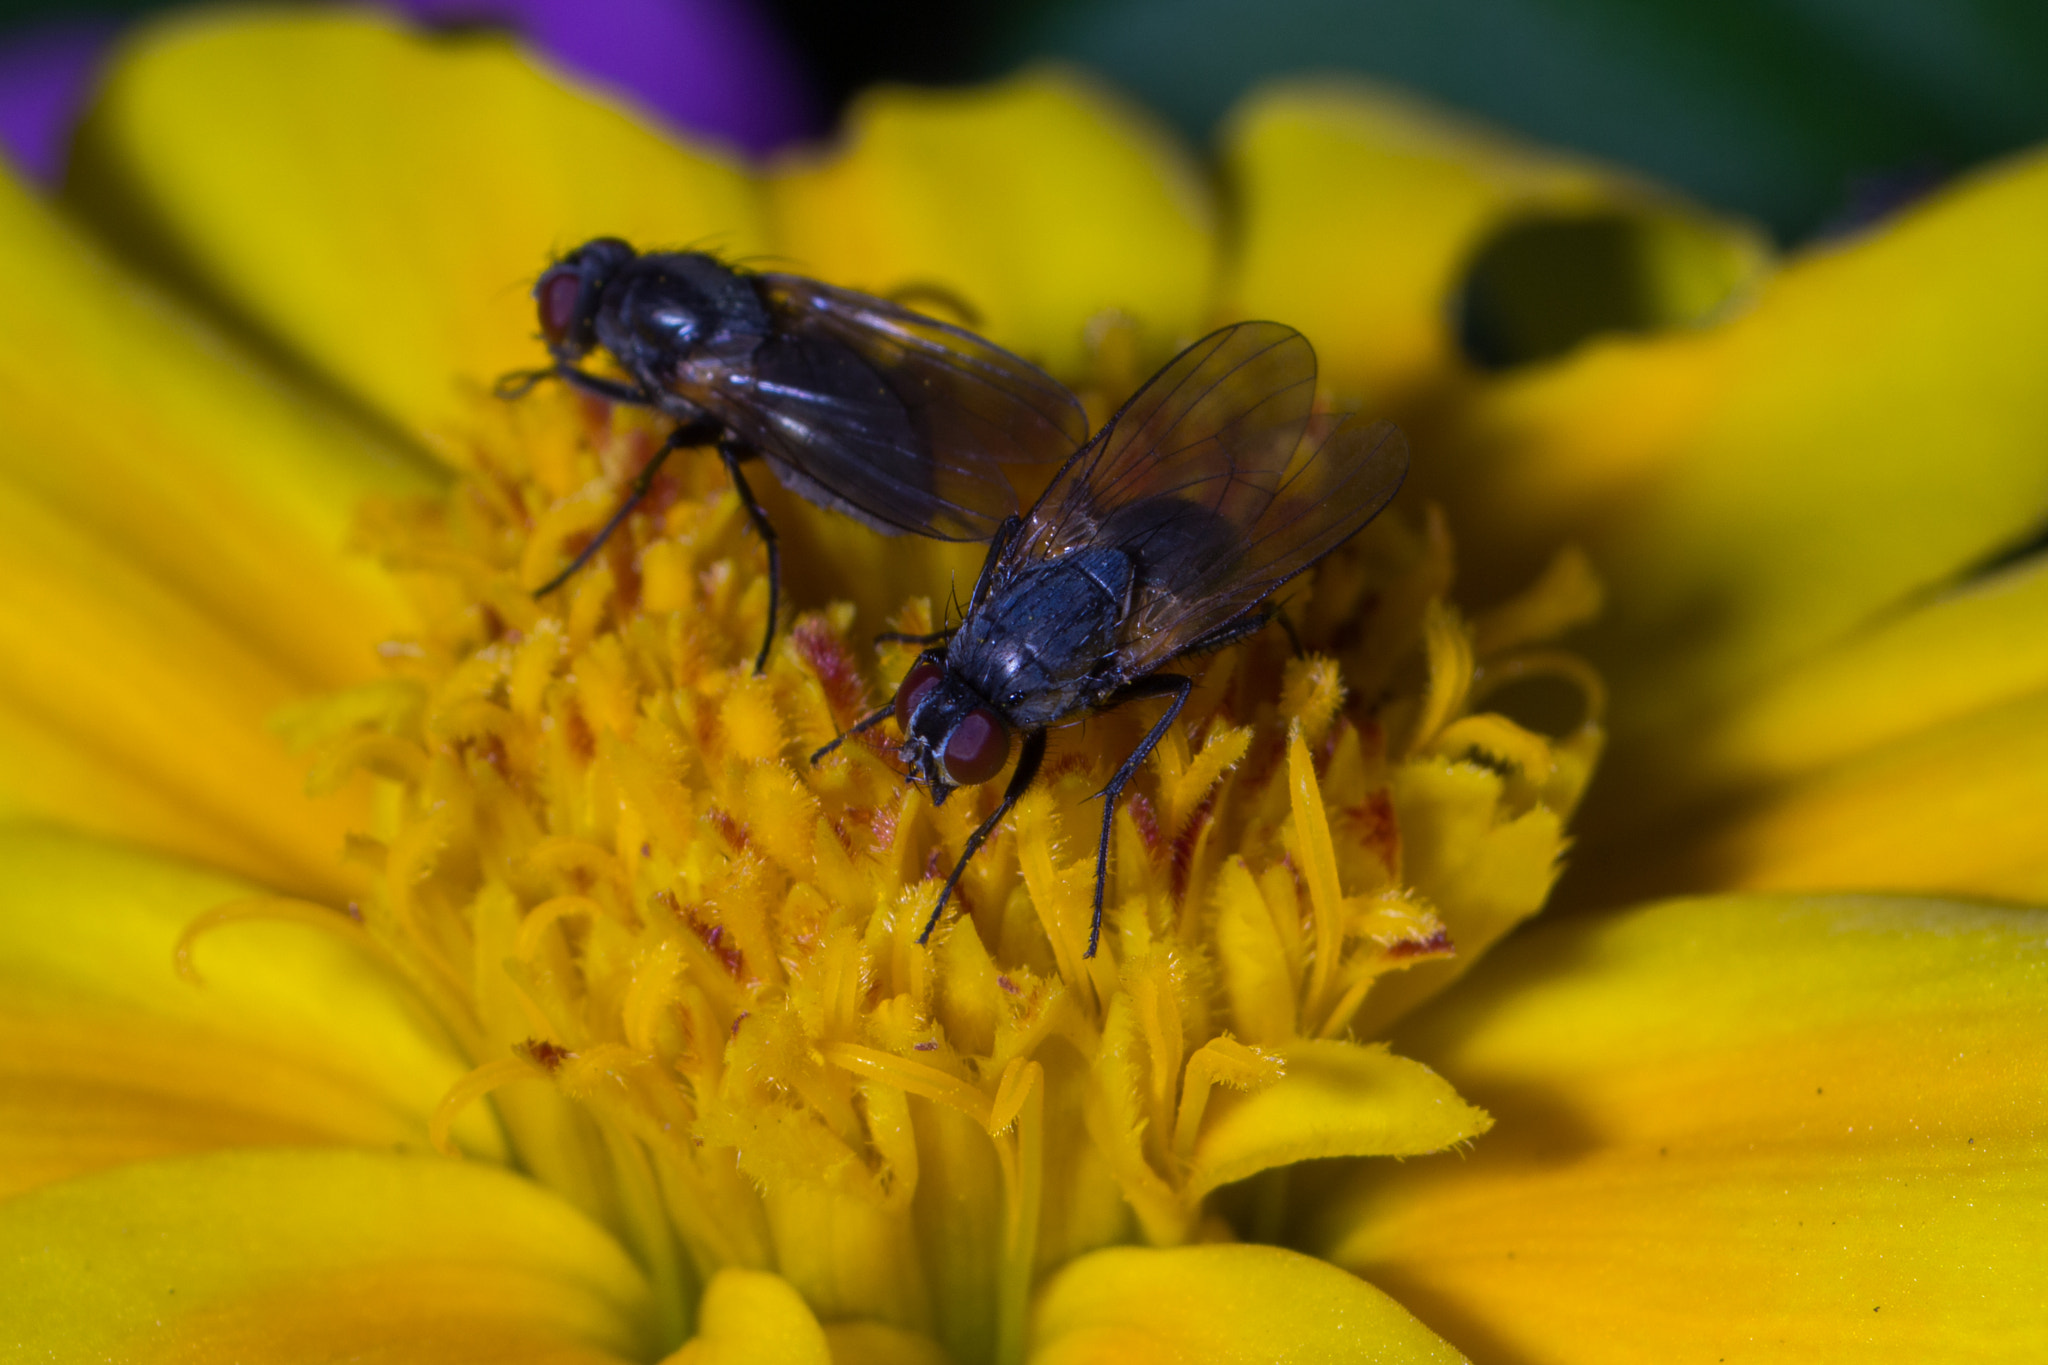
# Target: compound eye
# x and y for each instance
(560, 296)
(923, 676)
(977, 748)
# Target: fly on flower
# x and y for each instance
(860, 405)
(1164, 537)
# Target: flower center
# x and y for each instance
(686, 960)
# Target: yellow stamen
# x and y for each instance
(600, 828)
(1220, 1061)
(1318, 868)
(481, 1081)
(284, 908)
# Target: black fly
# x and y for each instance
(1163, 537)
(893, 418)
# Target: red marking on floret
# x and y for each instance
(714, 939)
(928, 1045)
(548, 1056)
(1374, 823)
(597, 413)
(834, 665)
(625, 571)
(1003, 980)
(882, 825)
(1436, 945)
(1148, 825)
(734, 833)
(1372, 740)
(1182, 864)
(582, 741)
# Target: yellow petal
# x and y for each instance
(1220, 1305)
(1754, 492)
(1769, 1128)
(1960, 808)
(749, 1317)
(1909, 757)
(1951, 657)
(107, 1056)
(291, 1256)
(1335, 1099)
(376, 201)
(129, 711)
(172, 520)
(1361, 211)
(127, 416)
(1041, 202)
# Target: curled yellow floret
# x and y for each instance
(685, 961)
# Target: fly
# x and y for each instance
(1163, 537)
(897, 420)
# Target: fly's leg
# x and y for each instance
(694, 434)
(516, 385)
(1027, 768)
(519, 383)
(733, 452)
(1293, 635)
(1230, 632)
(1156, 685)
(867, 722)
(897, 637)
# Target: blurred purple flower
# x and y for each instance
(45, 74)
(716, 67)
(707, 66)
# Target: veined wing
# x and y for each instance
(1327, 498)
(897, 418)
(1214, 430)
(1203, 480)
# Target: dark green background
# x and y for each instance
(1798, 112)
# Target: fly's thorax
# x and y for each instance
(1044, 644)
(666, 309)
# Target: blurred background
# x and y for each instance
(1806, 115)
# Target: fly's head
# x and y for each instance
(951, 736)
(568, 295)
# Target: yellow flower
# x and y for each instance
(732, 1107)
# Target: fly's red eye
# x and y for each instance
(977, 748)
(560, 295)
(923, 676)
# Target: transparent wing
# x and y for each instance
(1203, 480)
(899, 419)
(1324, 501)
(1213, 430)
